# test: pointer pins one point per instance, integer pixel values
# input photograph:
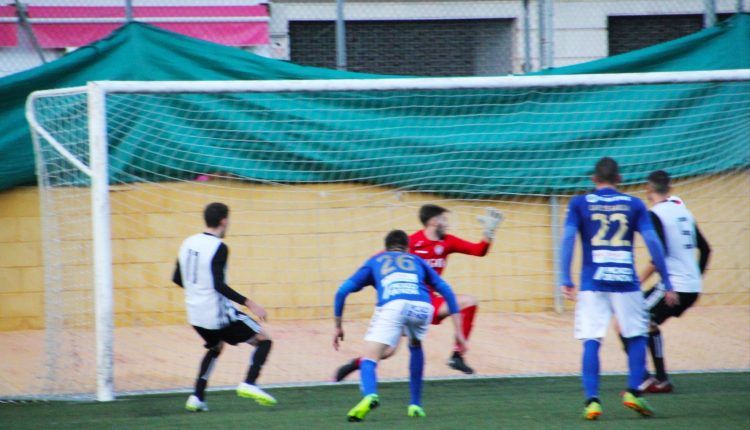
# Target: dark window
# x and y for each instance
(630, 33)
(426, 48)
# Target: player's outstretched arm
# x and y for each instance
(338, 311)
(659, 228)
(461, 246)
(356, 282)
(177, 275)
(656, 250)
(338, 333)
(655, 247)
(256, 309)
(703, 249)
(566, 258)
(490, 223)
(218, 265)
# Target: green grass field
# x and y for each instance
(717, 401)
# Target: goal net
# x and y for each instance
(316, 173)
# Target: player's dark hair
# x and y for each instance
(429, 211)
(659, 181)
(214, 213)
(396, 240)
(607, 170)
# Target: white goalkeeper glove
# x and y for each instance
(491, 222)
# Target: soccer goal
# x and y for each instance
(316, 172)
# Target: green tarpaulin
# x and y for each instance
(486, 153)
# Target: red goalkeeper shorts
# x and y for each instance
(437, 301)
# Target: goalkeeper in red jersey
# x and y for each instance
(434, 245)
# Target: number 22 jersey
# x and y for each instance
(607, 221)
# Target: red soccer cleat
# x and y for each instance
(661, 387)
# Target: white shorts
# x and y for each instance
(594, 312)
(399, 317)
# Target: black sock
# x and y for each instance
(635, 392)
(204, 373)
(656, 346)
(259, 357)
(592, 400)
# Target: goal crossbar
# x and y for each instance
(407, 84)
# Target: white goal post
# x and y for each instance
(96, 167)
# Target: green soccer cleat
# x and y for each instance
(416, 411)
(638, 404)
(592, 411)
(250, 391)
(359, 412)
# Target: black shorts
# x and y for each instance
(659, 310)
(239, 331)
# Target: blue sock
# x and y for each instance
(416, 370)
(591, 368)
(369, 379)
(636, 361)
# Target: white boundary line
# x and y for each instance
(120, 395)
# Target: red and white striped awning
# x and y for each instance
(61, 27)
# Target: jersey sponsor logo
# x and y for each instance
(398, 283)
(421, 251)
(603, 256)
(439, 249)
(436, 262)
(416, 312)
(609, 208)
(614, 274)
(593, 198)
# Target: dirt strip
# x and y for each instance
(166, 357)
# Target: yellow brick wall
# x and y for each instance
(21, 275)
(290, 247)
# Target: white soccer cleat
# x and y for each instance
(250, 391)
(194, 404)
(647, 384)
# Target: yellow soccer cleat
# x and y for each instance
(360, 411)
(638, 404)
(250, 391)
(416, 411)
(592, 411)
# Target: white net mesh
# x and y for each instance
(315, 179)
(66, 222)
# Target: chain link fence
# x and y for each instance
(402, 37)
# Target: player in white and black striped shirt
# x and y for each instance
(680, 235)
(201, 271)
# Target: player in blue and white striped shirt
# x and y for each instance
(607, 221)
(404, 307)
